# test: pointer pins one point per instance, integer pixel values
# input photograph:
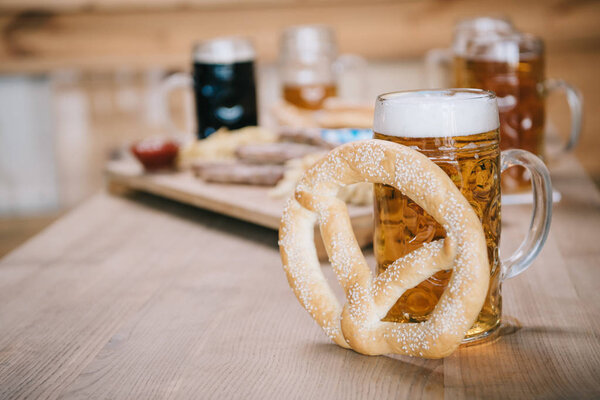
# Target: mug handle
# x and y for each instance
(522, 258)
(438, 65)
(575, 101)
(176, 81)
(350, 70)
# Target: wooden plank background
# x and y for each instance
(38, 36)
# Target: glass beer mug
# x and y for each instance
(512, 66)
(311, 71)
(224, 85)
(439, 62)
(458, 129)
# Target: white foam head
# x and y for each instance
(436, 113)
(224, 50)
(479, 27)
(507, 48)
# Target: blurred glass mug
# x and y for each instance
(224, 85)
(458, 130)
(439, 62)
(512, 66)
(311, 70)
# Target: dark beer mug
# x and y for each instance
(223, 83)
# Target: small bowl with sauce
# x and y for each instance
(156, 153)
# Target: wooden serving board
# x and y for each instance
(245, 202)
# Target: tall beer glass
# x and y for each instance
(439, 62)
(512, 65)
(306, 61)
(458, 130)
(311, 70)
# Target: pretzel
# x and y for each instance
(358, 324)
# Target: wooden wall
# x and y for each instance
(38, 35)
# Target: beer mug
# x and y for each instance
(512, 66)
(439, 62)
(457, 129)
(311, 71)
(223, 83)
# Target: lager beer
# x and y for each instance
(307, 56)
(308, 96)
(439, 62)
(516, 75)
(512, 66)
(457, 129)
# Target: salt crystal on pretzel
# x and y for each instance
(358, 325)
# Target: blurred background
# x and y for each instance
(80, 79)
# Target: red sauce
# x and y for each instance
(156, 153)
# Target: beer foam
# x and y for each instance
(224, 50)
(436, 113)
(477, 27)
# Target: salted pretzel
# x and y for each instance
(358, 324)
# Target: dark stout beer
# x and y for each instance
(224, 85)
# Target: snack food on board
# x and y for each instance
(358, 324)
(358, 194)
(222, 144)
(156, 153)
(274, 153)
(236, 172)
(304, 135)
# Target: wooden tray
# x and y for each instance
(245, 202)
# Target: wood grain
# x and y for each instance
(15, 231)
(128, 5)
(140, 297)
(40, 41)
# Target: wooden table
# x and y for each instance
(139, 297)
